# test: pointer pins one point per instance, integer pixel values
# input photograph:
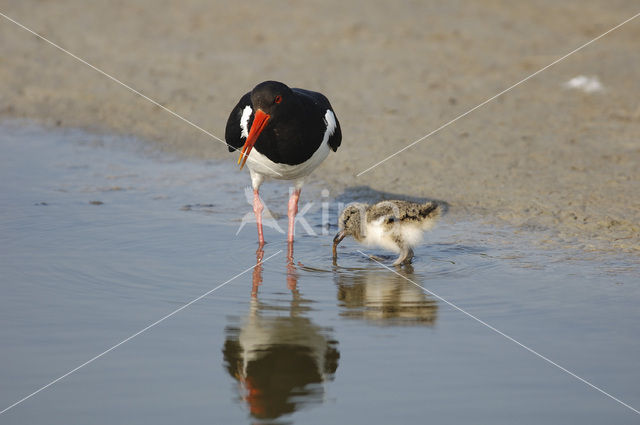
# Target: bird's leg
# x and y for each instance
(290, 253)
(292, 275)
(257, 210)
(292, 211)
(257, 272)
(405, 256)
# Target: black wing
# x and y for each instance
(323, 104)
(232, 133)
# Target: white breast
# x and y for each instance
(381, 236)
(260, 164)
(411, 234)
(377, 235)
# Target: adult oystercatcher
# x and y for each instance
(284, 133)
(394, 225)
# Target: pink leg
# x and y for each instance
(293, 210)
(257, 272)
(257, 210)
(292, 276)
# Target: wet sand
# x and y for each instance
(561, 163)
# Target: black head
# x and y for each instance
(270, 100)
(272, 97)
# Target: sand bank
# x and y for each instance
(541, 157)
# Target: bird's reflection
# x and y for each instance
(279, 358)
(384, 297)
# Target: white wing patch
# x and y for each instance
(330, 119)
(244, 121)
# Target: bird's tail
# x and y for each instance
(430, 212)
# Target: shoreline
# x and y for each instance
(540, 158)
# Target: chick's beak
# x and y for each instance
(336, 240)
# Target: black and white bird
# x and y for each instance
(284, 133)
(397, 226)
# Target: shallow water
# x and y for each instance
(101, 236)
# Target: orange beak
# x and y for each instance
(259, 122)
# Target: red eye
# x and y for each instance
(278, 99)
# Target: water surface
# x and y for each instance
(101, 236)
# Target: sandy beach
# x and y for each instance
(542, 157)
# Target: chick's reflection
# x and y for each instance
(385, 298)
(278, 356)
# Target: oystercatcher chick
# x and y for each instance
(284, 133)
(397, 226)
